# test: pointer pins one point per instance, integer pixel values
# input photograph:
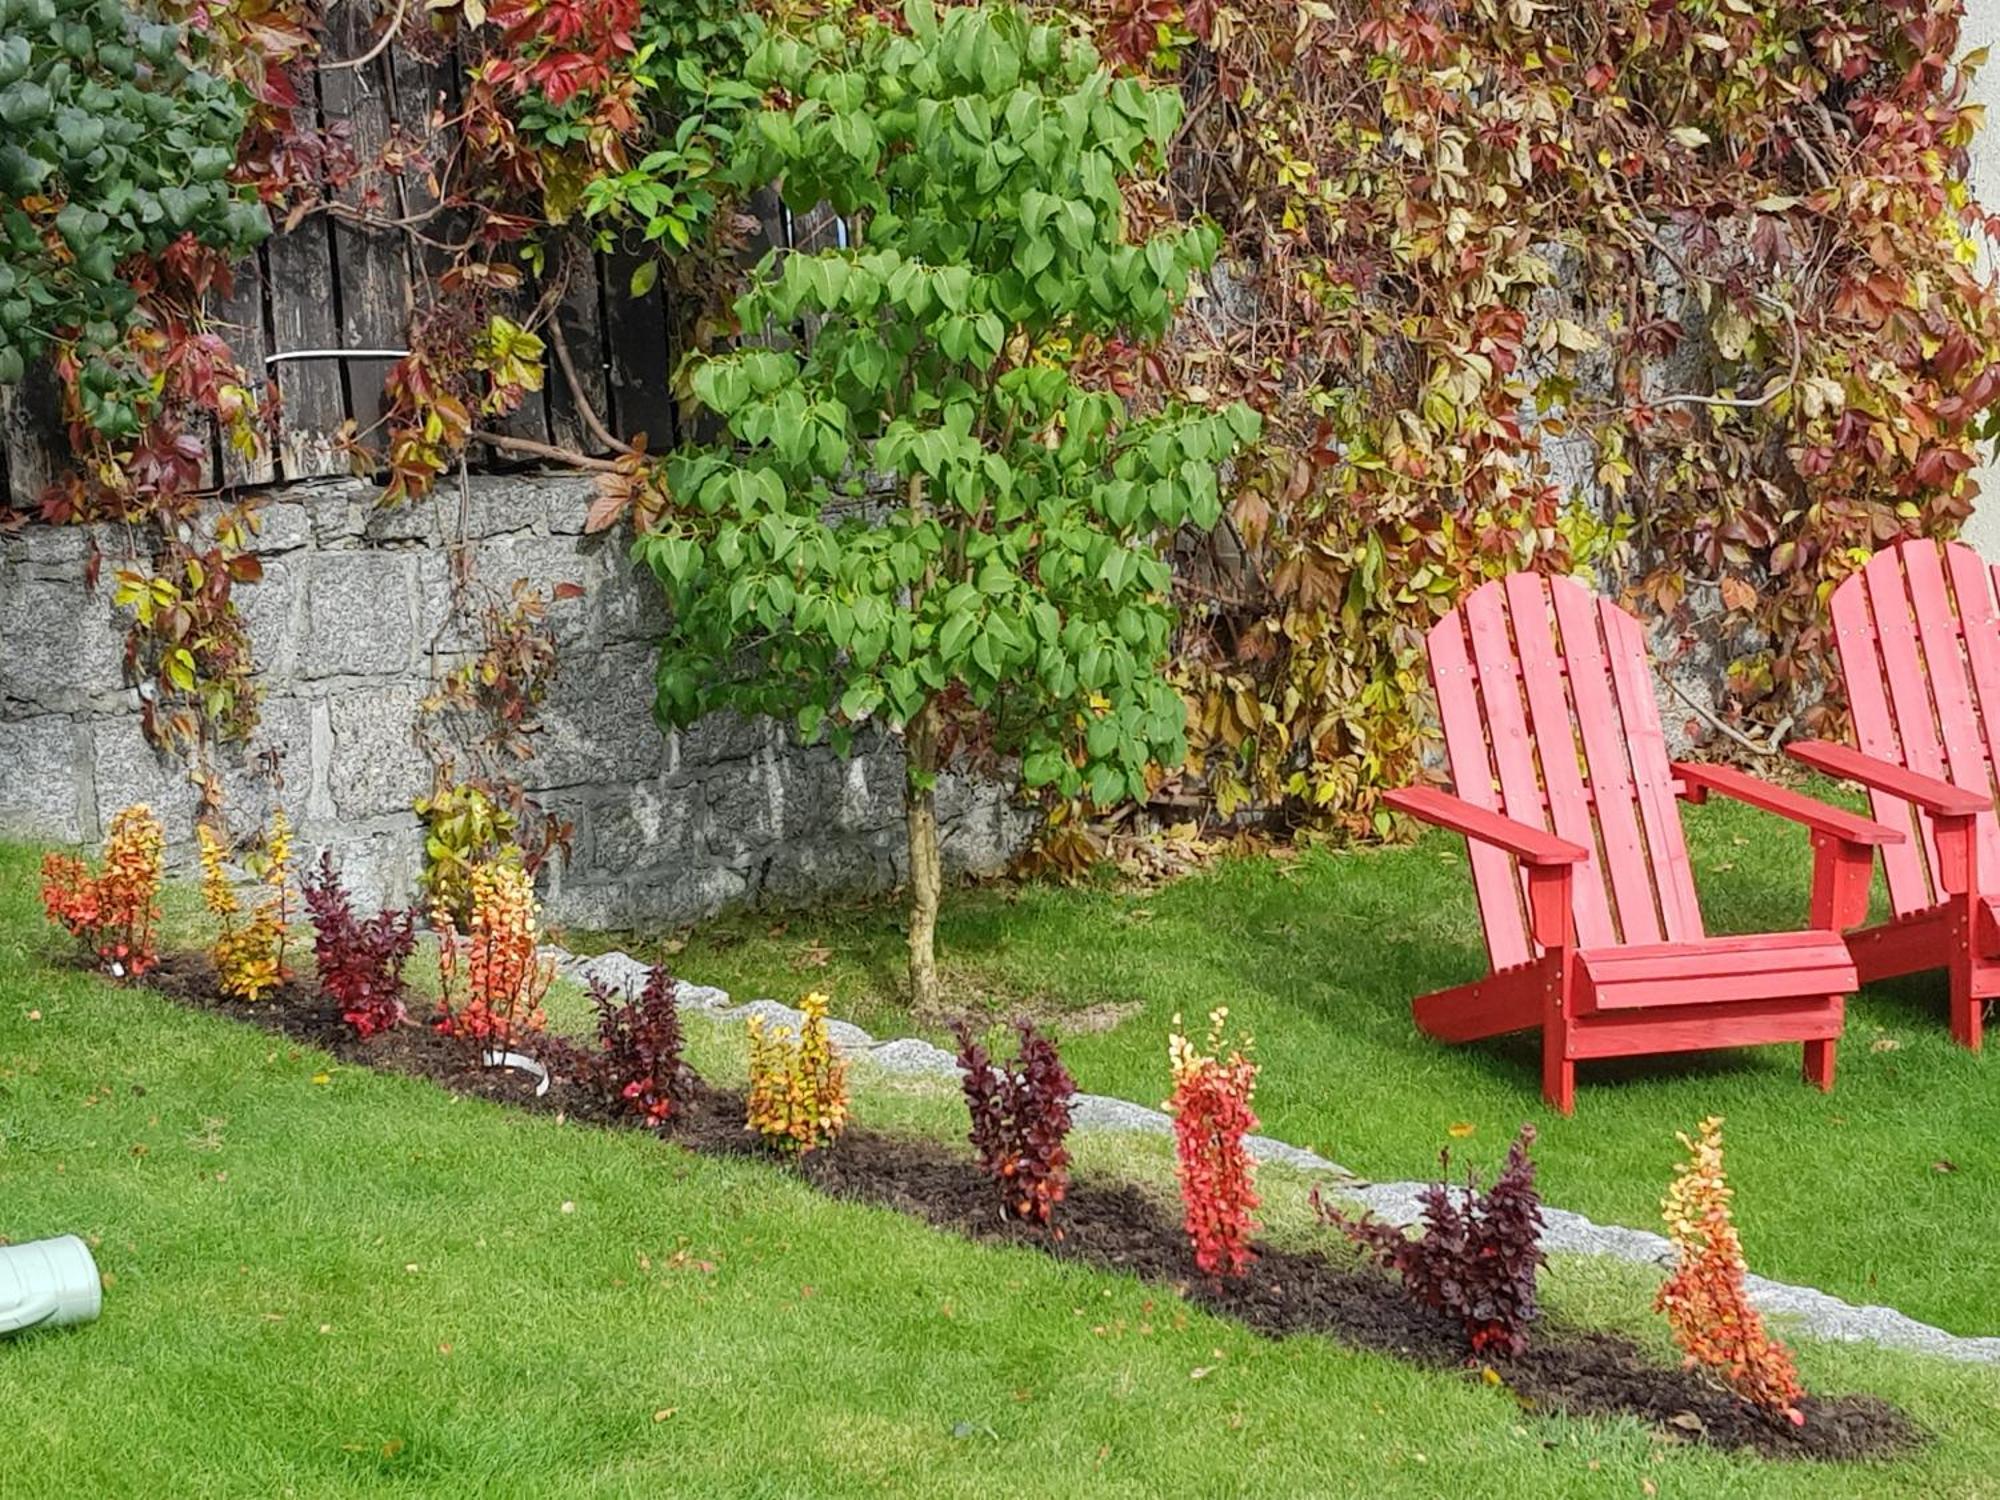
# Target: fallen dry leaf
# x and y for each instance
(1461, 1130)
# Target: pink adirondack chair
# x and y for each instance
(1919, 644)
(1566, 798)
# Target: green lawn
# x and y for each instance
(325, 1281)
(1887, 1190)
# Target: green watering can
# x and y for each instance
(48, 1284)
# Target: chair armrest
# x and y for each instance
(1528, 844)
(1942, 799)
(1814, 814)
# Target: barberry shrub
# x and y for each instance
(113, 912)
(1705, 1300)
(1212, 1116)
(1020, 1119)
(249, 947)
(492, 979)
(798, 1084)
(638, 1061)
(360, 963)
(1478, 1256)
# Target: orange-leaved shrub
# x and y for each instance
(798, 1084)
(1211, 1112)
(249, 949)
(112, 913)
(1706, 1302)
(492, 979)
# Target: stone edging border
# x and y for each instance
(1817, 1313)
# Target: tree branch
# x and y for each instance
(533, 449)
(583, 407)
(381, 43)
(1769, 751)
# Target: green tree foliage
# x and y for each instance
(936, 513)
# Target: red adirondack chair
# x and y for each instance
(1567, 802)
(1919, 644)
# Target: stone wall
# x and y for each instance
(351, 620)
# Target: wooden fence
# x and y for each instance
(331, 285)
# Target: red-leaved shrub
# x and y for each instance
(1020, 1119)
(1477, 1258)
(112, 913)
(360, 963)
(1212, 1116)
(638, 1061)
(1706, 1302)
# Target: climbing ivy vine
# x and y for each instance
(1681, 292)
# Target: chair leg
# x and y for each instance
(1967, 1009)
(1558, 1073)
(1819, 1065)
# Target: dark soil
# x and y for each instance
(1117, 1227)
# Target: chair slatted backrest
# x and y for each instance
(1550, 718)
(1919, 644)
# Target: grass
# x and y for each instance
(1887, 1190)
(326, 1281)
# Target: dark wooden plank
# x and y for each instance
(772, 232)
(818, 228)
(640, 360)
(373, 276)
(240, 319)
(31, 431)
(299, 266)
(580, 323)
(303, 314)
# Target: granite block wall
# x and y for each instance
(349, 624)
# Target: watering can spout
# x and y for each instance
(48, 1284)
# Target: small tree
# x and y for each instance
(940, 514)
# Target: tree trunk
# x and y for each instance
(926, 878)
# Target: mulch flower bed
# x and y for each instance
(1117, 1227)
